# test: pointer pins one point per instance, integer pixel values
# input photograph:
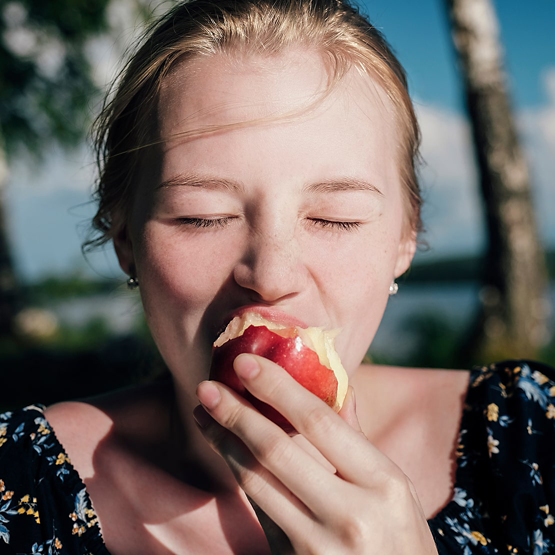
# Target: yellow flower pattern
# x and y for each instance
(21, 524)
(479, 537)
(506, 440)
(492, 445)
(493, 412)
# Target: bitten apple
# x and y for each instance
(308, 354)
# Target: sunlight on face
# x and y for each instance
(303, 214)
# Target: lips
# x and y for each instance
(269, 313)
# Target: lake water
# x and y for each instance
(454, 304)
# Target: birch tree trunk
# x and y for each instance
(513, 314)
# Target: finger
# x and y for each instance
(270, 446)
(354, 457)
(277, 539)
(255, 480)
(348, 411)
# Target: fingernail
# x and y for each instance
(202, 418)
(208, 394)
(246, 366)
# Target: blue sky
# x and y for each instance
(48, 203)
(419, 35)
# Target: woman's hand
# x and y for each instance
(367, 506)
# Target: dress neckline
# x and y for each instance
(462, 471)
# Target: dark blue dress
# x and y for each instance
(504, 495)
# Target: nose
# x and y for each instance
(271, 267)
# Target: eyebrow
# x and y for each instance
(211, 183)
(342, 184)
(220, 184)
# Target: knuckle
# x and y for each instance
(397, 485)
(250, 482)
(353, 532)
(277, 387)
(233, 417)
(316, 421)
(275, 449)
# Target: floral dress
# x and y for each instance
(504, 495)
(44, 506)
(503, 502)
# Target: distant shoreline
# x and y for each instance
(458, 269)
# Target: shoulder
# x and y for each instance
(102, 426)
(515, 395)
(518, 382)
(39, 488)
(510, 419)
(79, 427)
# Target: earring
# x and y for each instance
(393, 288)
(132, 283)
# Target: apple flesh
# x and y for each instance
(307, 354)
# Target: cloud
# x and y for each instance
(453, 212)
(537, 130)
(446, 146)
(546, 115)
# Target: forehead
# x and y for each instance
(234, 89)
(275, 119)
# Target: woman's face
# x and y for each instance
(302, 215)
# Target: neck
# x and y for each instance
(199, 465)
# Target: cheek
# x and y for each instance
(179, 277)
(354, 279)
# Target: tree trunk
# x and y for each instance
(10, 293)
(513, 314)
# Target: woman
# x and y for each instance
(260, 157)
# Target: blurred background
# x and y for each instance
(482, 75)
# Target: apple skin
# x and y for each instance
(290, 353)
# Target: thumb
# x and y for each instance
(348, 411)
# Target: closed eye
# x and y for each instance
(205, 222)
(332, 224)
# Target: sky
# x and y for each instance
(49, 204)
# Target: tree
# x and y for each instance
(45, 88)
(513, 315)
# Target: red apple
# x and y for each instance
(307, 354)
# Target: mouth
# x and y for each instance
(272, 314)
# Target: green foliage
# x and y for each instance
(59, 288)
(458, 269)
(38, 103)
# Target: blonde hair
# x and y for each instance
(204, 27)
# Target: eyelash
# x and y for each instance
(344, 226)
(222, 222)
(205, 222)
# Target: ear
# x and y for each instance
(405, 253)
(124, 250)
